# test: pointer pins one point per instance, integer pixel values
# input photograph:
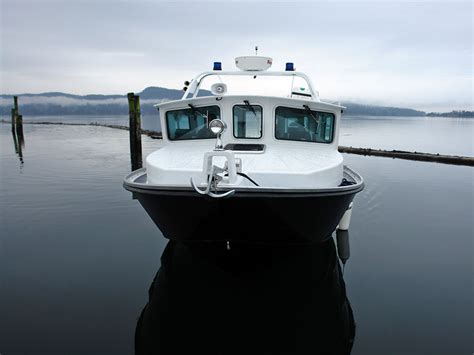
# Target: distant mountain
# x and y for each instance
(60, 104)
(151, 92)
(460, 114)
(157, 93)
(369, 110)
(97, 97)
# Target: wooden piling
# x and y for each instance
(13, 120)
(135, 131)
(17, 120)
(15, 113)
(17, 129)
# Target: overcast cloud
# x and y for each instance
(416, 55)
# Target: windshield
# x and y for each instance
(247, 121)
(296, 124)
(191, 123)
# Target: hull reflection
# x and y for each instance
(247, 300)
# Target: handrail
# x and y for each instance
(195, 84)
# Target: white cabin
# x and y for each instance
(280, 142)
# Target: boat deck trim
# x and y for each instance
(136, 181)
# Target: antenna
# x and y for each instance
(256, 50)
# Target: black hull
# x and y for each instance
(188, 216)
(247, 216)
(247, 300)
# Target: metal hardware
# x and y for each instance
(195, 85)
(219, 145)
(213, 180)
(238, 165)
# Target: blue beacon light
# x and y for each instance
(290, 67)
(217, 66)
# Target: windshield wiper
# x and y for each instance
(308, 110)
(195, 110)
(246, 102)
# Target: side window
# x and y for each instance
(296, 124)
(191, 123)
(247, 121)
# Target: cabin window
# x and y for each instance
(247, 121)
(191, 123)
(296, 124)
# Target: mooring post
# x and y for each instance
(17, 120)
(135, 131)
(13, 120)
(14, 112)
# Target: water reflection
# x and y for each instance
(247, 300)
(18, 141)
(343, 247)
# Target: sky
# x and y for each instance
(407, 54)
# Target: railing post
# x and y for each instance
(135, 131)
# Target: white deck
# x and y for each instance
(281, 166)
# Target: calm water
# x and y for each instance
(77, 254)
(454, 136)
(151, 122)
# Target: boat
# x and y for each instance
(247, 167)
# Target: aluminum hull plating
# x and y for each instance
(250, 215)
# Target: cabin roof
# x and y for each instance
(216, 100)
